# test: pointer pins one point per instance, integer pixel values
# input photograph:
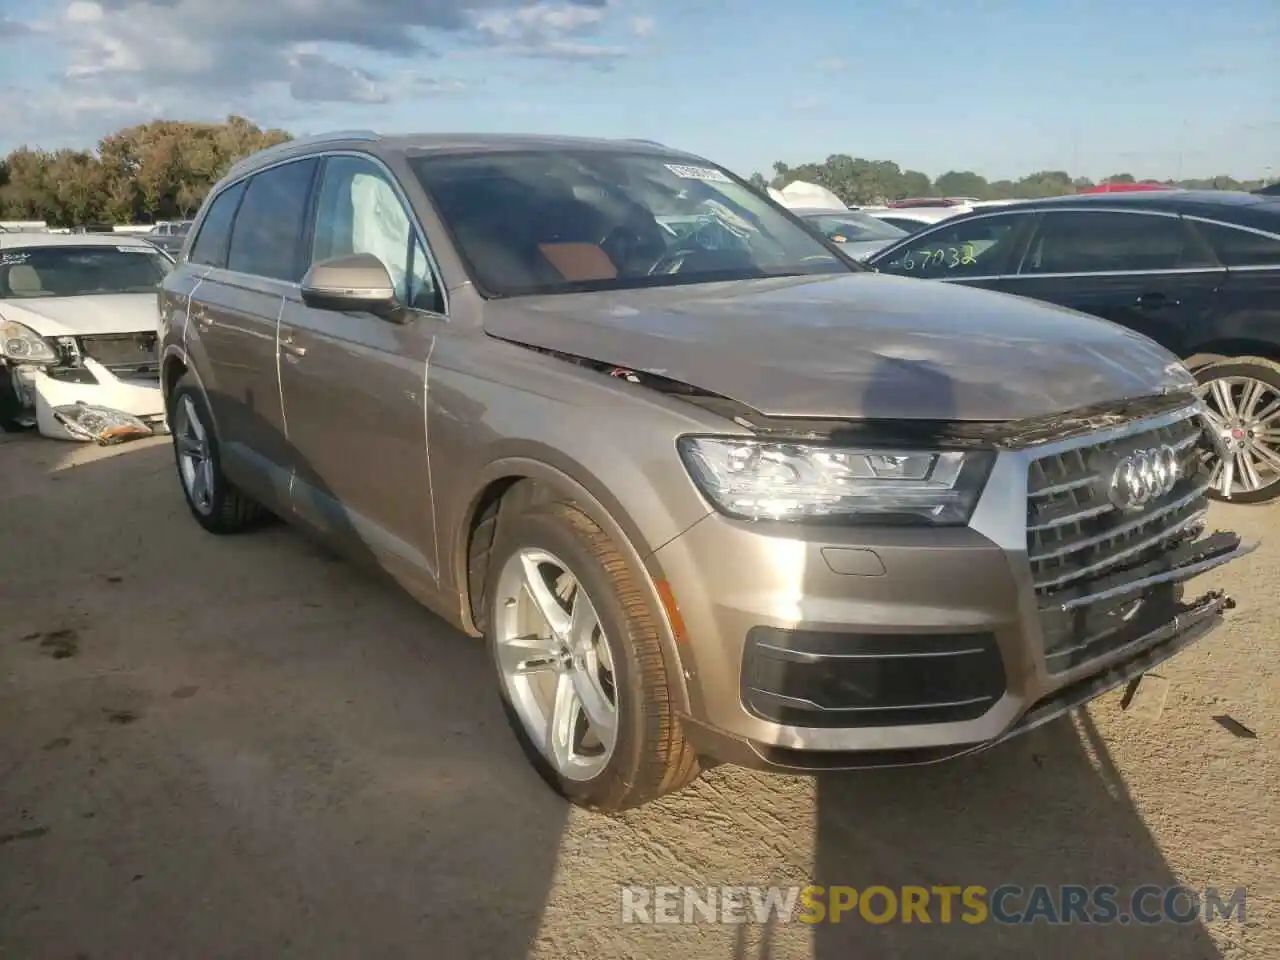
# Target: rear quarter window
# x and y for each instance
(1240, 248)
(210, 247)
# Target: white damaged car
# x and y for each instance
(78, 325)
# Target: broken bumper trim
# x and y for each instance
(1199, 619)
(140, 398)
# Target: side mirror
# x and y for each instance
(356, 283)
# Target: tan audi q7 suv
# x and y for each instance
(708, 489)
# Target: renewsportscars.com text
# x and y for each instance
(973, 904)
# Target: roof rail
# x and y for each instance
(652, 143)
(306, 141)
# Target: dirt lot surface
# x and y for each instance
(243, 748)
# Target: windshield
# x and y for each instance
(30, 272)
(557, 222)
(854, 227)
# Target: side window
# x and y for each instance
(423, 293)
(210, 247)
(1084, 242)
(1240, 248)
(359, 211)
(266, 237)
(971, 248)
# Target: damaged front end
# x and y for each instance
(1103, 512)
(104, 388)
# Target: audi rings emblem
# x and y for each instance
(1143, 476)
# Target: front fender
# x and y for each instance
(597, 502)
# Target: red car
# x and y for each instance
(1125, 187)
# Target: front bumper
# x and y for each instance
(810, 648)
(41, 390)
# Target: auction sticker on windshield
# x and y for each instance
(697, 173)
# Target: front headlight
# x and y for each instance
(25, 345)
(759, 480)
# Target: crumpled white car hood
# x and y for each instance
(85, 316)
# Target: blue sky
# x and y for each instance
(996, 86)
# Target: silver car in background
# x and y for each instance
(854, 232)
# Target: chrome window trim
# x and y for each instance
(1232, 226)
(1113, 273)
(1253, 268)
(1099, 273)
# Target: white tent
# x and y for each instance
(798, 193)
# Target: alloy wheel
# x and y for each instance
(194, 464)
(556, 663)
(1246, 414)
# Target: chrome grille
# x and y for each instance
(124, 354)
(1084, 550)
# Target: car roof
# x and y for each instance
(918, 214)
(422, 144)
(1234, 206)
(11, 240)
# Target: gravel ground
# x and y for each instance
(243, 748)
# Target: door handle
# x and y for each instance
(293, 349)
(1155, 301)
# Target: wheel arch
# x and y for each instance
(173, 367)
(1212, 351)
(544, 481)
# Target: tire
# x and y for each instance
(1234, 375)
(225, 509)
(650, 756)
(10, 411)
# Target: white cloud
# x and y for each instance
(129, 61)
(643, 26)
(547, 30)
(318, 48)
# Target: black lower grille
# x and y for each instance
(1086, 538)
(124, 354)
(819, 679)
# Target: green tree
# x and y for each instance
(962, 183)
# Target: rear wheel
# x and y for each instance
(1243, 400)
(215, 502)
(579, 662)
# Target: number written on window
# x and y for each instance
(971, 248)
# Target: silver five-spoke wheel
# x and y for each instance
(556, 663)
(1246, 414)
(194, 463)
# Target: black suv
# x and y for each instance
(1196, 271)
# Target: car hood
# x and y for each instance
(861, 249)
(85, 316)
(856, 346)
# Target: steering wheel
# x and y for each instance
(673, 260)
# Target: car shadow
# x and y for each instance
(1046, 809)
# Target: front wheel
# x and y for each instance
(579, 663)
(11, 414)
(1242, 396)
